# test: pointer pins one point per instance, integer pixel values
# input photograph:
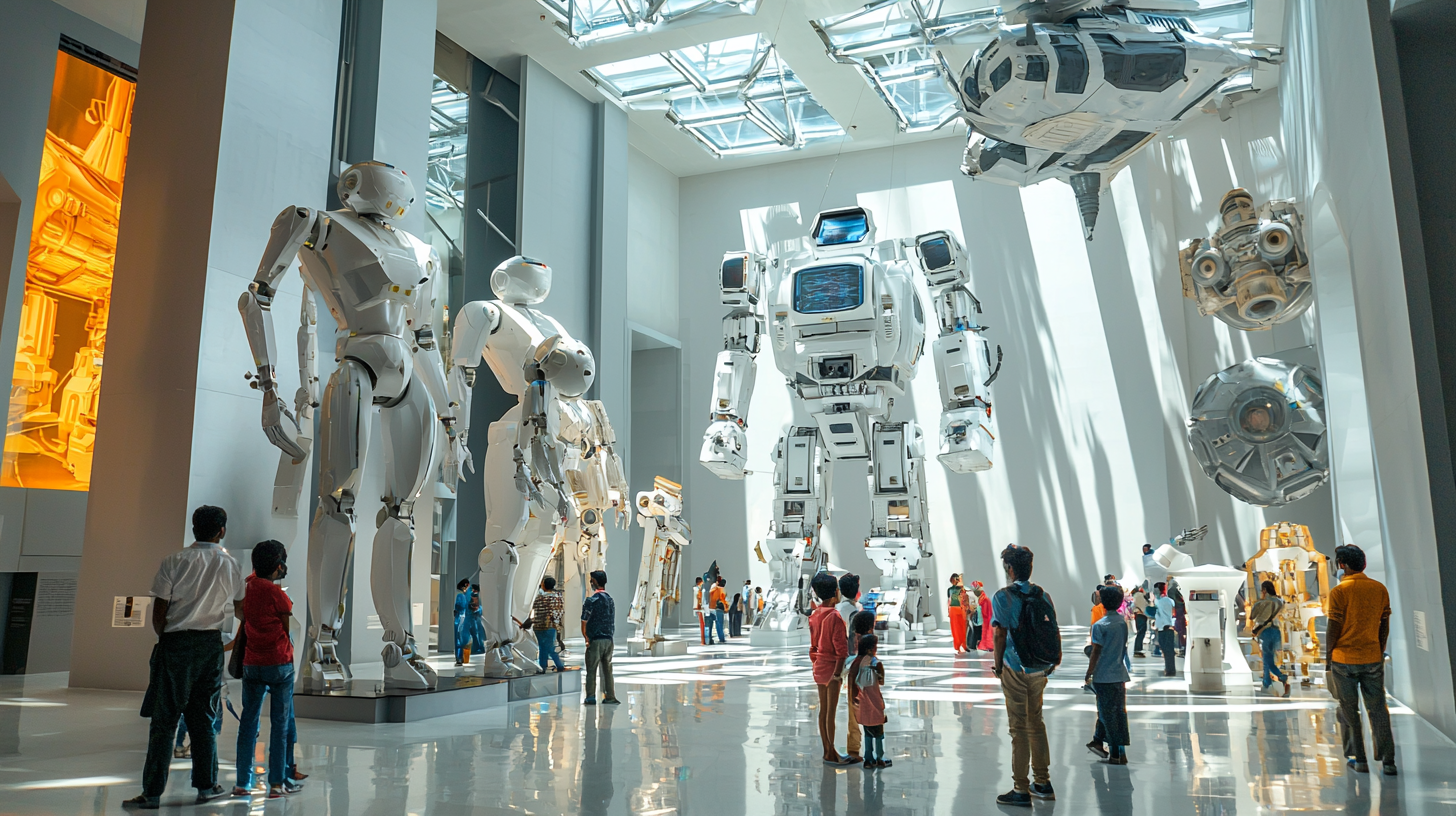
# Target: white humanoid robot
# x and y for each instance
(378, 283)
(1071, 89)
(664, 535)
(847, 327)
(551, 474)
(1254, 271)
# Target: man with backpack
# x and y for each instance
(1028, 648)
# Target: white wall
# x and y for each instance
(652, 246)
(1102, 356)
(1335, 135)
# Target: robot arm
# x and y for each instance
(963, 362)
(431, 368)
(477, 321)
(294, 229)
(725, 443)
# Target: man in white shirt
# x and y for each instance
(749, 607)
(193, 593)
(847, 606)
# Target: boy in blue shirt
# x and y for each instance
(1107, 674)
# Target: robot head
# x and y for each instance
(376, 188)
(521, 281)
(567, 364)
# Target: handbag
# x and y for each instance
(240, 648)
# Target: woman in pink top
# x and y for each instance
(828, 648)
(866, 675)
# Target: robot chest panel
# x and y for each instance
(369, 265)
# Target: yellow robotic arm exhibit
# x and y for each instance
(664, 535)
(1286, 556)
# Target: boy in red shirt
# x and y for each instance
(828, 649)
(267, 669)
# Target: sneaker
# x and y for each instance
(143, 802)
(181, 752)
(853, 759)
(887, 763)
(239, 793)
(1096, 748)
(295, 775)
(1014, 798)
(1114, 760)
(289, 786)
(1043, 791)
(1357, 766)
(1287, 688)
(611, 701)
(205, 795)
(590, 701)
(1389, 769)
(1138, 654)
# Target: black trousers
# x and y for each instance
(735, 624)
(1142, 630)
(186, 672)
(1168, 643)
(1111, 714)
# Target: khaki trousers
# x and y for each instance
(828, 707)
(1023, 694)
(852, 738)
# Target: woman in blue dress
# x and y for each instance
(462, 611)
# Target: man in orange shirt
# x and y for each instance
(717, 608)
(1359, 625)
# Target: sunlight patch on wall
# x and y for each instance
(1183, 170)
(1082, 384)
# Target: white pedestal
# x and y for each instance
(663, 648)
(771, 638)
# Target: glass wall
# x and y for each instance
(54, 393)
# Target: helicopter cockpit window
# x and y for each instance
(1141, 65)
(1001, 75)
(1071, 65)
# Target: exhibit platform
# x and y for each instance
(637, 647)
(771, 638)
(368, 701)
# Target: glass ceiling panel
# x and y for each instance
(445, 165)
(892, 43)
(734, 96)
(584, 22)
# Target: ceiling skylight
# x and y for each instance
(733, 96)
(895, 45)
(587, 21)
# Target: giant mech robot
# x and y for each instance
(378, 283)
(847, 328)
(551, 474)
(1071, 89)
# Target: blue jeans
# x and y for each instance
(718, 622)
(546, 645)
(1270, 642)
(257, 681)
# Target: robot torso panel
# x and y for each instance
(847, 326)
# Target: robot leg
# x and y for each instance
(344, 437)
(898, 528)
(506, 515)
(793, 553)
(409, 446)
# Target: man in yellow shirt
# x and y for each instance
(1359, 625)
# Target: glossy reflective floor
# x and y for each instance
(731, 730)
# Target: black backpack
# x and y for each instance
(1038, 639)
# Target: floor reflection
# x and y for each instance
(732, 730)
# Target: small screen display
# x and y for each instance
(935, 253)
(833, 288)
(848, 228)
(733, 273)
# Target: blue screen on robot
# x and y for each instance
(830, 288)
(935, 253)
(850, 228)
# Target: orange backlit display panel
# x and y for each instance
(51, 427)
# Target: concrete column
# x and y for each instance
(233, 122)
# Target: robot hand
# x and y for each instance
(281, 426)
(725, 450)
(525, 483)
(457, 461)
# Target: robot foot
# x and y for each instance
(407, 670)
(505, 661)
(324, 670)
